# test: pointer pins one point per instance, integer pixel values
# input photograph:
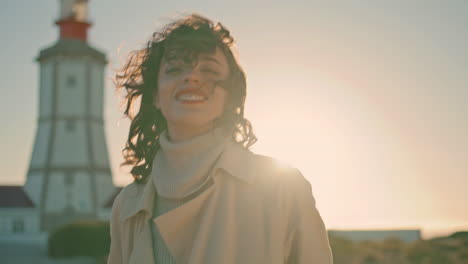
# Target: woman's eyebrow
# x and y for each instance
(211, 59)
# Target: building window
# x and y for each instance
(71, 82)
(70, 125)
(82, 205)
(69, 178)
(3, 225)
(18, 226)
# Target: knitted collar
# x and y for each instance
(182, 168)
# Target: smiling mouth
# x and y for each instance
(190, 98)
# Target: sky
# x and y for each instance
(367, 98)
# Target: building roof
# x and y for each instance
(71, 48)
(13, 197)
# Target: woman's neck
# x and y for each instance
(182, 133)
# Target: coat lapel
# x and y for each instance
(179, 227)
(140, 204)
(143, 250)
(186, 230)
(215, 240)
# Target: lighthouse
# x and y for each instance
(69, 176)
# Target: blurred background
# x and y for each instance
(367, 98)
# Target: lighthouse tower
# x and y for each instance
(69, 176)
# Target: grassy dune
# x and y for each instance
(452, 249)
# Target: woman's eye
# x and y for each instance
(171, 70)
(211, 71)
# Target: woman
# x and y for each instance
(199, 195)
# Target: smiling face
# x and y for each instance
(188, 95)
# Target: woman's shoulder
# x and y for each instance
(270, 170)
(279, 185)
(261, 170)
(131, 190)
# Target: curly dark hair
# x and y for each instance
(187, 37)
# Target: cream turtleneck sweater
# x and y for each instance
(181, 170)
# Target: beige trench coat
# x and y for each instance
(255, 212)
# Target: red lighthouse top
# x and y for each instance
(73, 21)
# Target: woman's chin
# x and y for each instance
(192, 123)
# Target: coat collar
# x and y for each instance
(234, 160)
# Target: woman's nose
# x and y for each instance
(192, 75)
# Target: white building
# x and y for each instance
(69, 176)
(405, 235)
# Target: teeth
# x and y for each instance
(190, 97)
